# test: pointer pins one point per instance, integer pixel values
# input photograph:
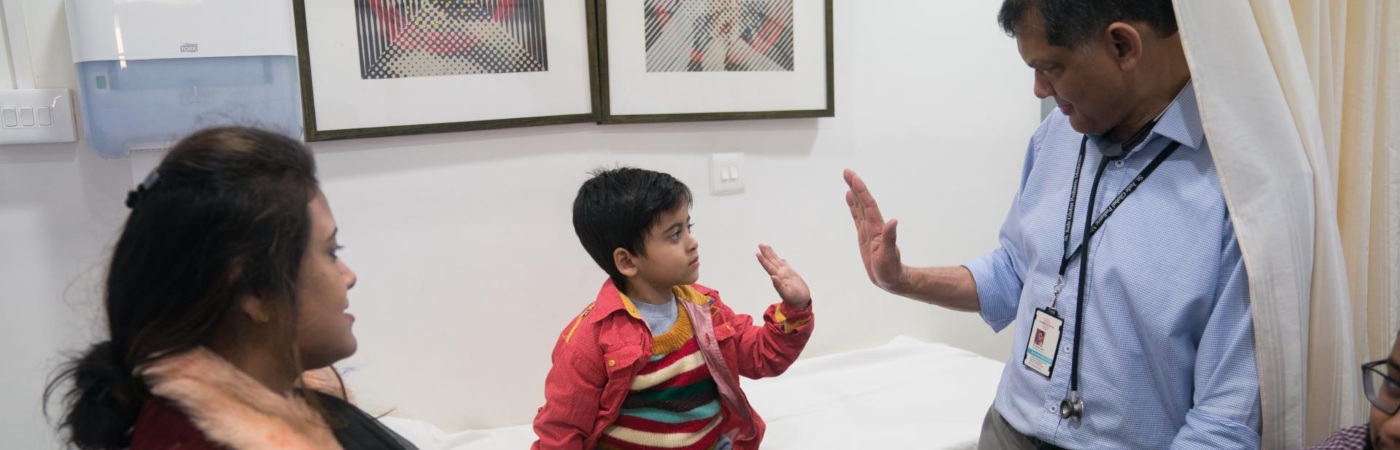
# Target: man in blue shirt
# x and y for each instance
(1120, 217)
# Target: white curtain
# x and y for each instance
(1353, 54)
(1299, 102)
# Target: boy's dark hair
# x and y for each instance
(1070, 23)
(616, 208)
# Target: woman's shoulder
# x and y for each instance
(356, 429)
(162, 426)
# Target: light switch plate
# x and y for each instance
(40, 116)
(727, 173)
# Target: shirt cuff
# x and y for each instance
(791, 319)
(998, 288)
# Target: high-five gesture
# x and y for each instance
(786, 281)
(875, 236)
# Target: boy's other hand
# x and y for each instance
(786, 281)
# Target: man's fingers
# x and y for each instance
(863, 199)
(857, 210)
(848, 175)
(885, 241)
(889, 233)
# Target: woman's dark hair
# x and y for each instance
(224, 217)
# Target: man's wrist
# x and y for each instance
(900, 285)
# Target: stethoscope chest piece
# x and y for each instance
(1072, 407)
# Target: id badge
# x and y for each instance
(1044, 342)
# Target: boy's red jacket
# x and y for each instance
(603, 349)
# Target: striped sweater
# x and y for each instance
(673, 403)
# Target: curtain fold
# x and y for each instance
(1299, 101)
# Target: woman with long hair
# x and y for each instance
(224, 288)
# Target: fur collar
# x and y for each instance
(233, 409)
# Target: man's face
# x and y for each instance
(1087, 82)
(1385, 428)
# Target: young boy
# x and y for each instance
(654, 361)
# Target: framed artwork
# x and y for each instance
(684, 60)
(373, 68)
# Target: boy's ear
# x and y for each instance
(625, 261)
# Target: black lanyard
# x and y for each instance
(1089, 233)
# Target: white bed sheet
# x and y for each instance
(907, 394)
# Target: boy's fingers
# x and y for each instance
(768, 253)
(767, 265)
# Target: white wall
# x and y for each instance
(467, 260)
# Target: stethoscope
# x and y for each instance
(1072, 407)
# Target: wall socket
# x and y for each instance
(36, 116)
(726, 173)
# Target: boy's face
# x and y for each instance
(1385, 428)
(672, 255)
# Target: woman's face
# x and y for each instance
(323, 325)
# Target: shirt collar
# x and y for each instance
(1180, 122)
(610, 300)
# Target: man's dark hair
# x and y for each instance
(1071, 23)
(617, 207)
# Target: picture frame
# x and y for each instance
(698, 60)
(375, 68)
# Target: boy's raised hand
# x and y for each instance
(786, 281)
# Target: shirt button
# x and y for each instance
(1118, 164)
(1067, 349)
(612, 362)
(1053, 409)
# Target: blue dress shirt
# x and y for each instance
(1167, 358)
